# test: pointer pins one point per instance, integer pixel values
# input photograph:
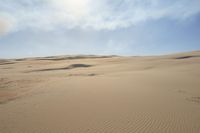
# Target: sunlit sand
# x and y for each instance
(101, 94)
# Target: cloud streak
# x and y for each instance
(90, 14)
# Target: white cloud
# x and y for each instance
(95, 14)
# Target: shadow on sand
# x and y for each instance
(186, 57)
(73, 66)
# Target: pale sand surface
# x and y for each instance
(158, 94)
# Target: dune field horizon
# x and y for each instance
(102, 94)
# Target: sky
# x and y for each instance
(32, 28)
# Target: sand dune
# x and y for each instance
(101, 94)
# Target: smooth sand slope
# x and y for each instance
(89, 94)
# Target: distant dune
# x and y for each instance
(101, 94)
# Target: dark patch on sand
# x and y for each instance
(148, 68)
(87, 75)
(186, 57)
(9, 99)
(7, 63)
(52, 58)
(181, 91)
(20, 59)
(73, 66)
(194, 99)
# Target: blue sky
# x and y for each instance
(102, 27)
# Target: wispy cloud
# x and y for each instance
(93, 14)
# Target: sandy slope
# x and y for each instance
(88, 94)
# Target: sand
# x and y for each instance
(94, 94)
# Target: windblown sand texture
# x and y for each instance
(107, 94)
